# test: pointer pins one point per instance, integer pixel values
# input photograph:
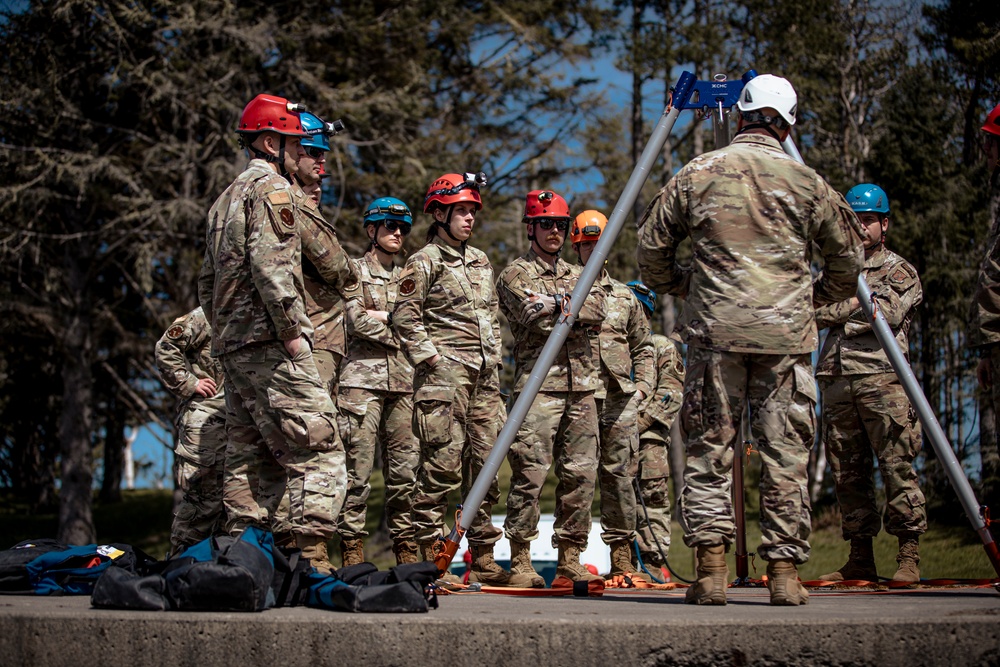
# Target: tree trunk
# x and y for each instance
(114, 439)
(76, 522)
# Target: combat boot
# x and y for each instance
(313, 549)
(712, 573)
(621, 562)
(427, 552)
(908, 559)
(569, 564)
(783, 582)
(405, 552)
(284, 540)
(484, 570)
(860, 564)
(352, 552)
(520, 563)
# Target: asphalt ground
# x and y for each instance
(923, 626)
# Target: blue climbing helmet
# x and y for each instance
(646, 296)
(316, 131)
(387, 208)
(868, 197)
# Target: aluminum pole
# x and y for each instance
(932, 428)
(739, 499)
(557, 338)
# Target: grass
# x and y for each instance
(143, 520)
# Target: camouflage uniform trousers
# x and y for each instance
(561, 427)
(866, 417)
(272, 476)
(278, 412)
(617, 461)
(201, 455)
(457, 414)
(653, 477)
(782, 396)
(368, 417)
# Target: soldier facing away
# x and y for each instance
(625, 362)
(251, 289)
(446, 316)
(865, 409)
(561, 427)
(656, 417)
(376, 391)
(753, 214)
(188, 370)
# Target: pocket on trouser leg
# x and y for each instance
(432, 414)
(315, 431)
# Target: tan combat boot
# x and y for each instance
(569, 564)
(908, 559)
(621, 562)
(313, 548)
(860, 564)
(405, 552)
(352, 552)
(783, 582)
(712, 574)
(484, 570)
(427, 552)
(520, 563)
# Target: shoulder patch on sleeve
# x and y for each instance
(287, 217)
(175, 332)
(407, 286)
(279, 198)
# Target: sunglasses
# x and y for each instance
(313, 152)
(393, 225)
(547, 223)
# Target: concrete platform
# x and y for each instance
(953, 627)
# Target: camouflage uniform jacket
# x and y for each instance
(326, 273)
(575, 368)
(375, 358)
(665, 401)
(626, 350)
(183, 356)
(984, 326)
(752, 213)
(250, 284)
(447, 305)
(851, 347)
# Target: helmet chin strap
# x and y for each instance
(278, 159)
(446, 225)
(375, 243)
(537, 247)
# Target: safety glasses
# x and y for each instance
(313, 152)
(546, 223)
(394, 225)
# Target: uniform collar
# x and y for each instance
(878, 258)
(762, 139)
(448, 251)
(561, 268)
(375, 267)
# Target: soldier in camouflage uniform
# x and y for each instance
(251, 285)
(625, 360)
(376, 391)
(656, 416)
(865, 408)
(984, 330)
(753, 214)
(326, 272)
(561, 427)
(187, 370)
(446, 316)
